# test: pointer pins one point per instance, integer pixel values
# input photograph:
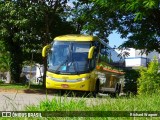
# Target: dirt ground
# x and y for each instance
(35, 91)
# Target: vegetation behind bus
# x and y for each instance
(27, 26)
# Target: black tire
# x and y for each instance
(117, 91)
(96, 91)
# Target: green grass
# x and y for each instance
(59, 104)
(134, 103)
(19, 86)
(97, 105)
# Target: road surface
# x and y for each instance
(13, 101)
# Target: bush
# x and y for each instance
(1, 82)
(149, 81)
(131, 77)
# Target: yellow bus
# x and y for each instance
(71, 61)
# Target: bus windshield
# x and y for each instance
(69, 57)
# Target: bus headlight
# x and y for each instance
(83, 79)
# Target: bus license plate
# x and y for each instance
(65, 86)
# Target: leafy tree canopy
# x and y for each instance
(136, 20)
(26, 26)
(4, 58)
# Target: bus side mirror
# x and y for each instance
(90, 53)
(44, 50)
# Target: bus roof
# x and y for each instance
(76, 37)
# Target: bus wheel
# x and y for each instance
(95, 92)
(117, 91)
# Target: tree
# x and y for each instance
(93, 19)
(141, 21)
(136, 20)
(5, 61)
(28, 25)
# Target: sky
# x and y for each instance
(114, 39)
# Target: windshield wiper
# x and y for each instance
(56, 71)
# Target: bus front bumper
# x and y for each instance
(81, 85)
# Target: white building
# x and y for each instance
(136, 59)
